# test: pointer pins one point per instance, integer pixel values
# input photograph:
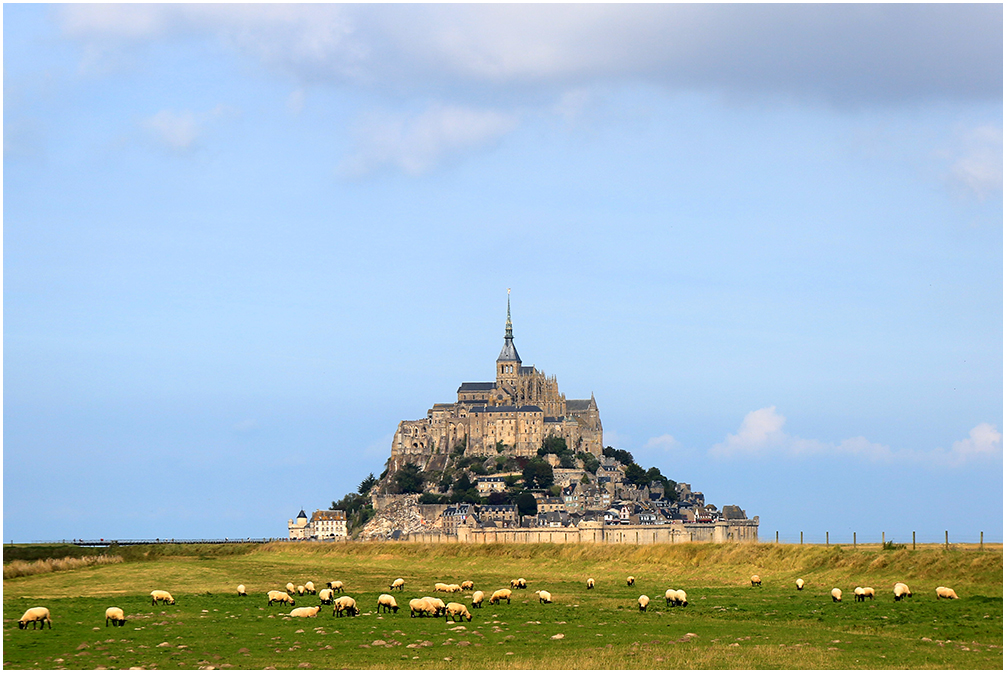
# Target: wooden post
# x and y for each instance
(802, 538)
(826, 537)
(945, 539)
(980, 540)
(777, 537)
(882, 540)
(914, 540)
(854, 540)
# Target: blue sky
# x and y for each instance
(241, 242)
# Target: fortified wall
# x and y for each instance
(741, 531)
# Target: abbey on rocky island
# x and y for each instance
(513, 414)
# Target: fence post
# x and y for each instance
(914, 540)
(980, 540)
(826, 537)
(802, 538)
(945, 539)
(882, 540)
(854, 540)
(777, 537)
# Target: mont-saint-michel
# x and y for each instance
(515, 460)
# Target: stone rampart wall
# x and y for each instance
(594, 532)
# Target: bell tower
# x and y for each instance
(509, 362)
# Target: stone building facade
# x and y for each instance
(514, 413)
(326, 525)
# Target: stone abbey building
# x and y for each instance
(512, 414)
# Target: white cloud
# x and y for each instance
(417, 144)
(978, 165)
(761, 434)
(180, 131)
(664, 442)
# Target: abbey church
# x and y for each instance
(512, 414)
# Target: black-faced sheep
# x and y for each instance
(837, 594)
(398, 584)
(756, 580)
(858, 594)
(300, 590)
(477, 599)
(519, 583)
(309, 587)
(325, 595)
(544, 597)
(590, 583)
(643, 602)
(387, 602)
(161, 596)
(241, 591)
(456, 612)
(291, 589)
(336, 585)
(902, 591)
(278, 596)
(499, 596)
(946, 593)
(800, 584)
(347, 605)
(631, 581)
(116, 615)
(467, 585)
(420, 607)
(869, 593)
(39, 614)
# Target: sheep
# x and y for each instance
(347, 605)
(675, 598)
(590, 583)
(631, 581)
(305, 612)
(837, 594)
(39, 614)
(456, 611)
(544, 597)
(336, 585)
(419, 607)
(868, 593)
(643, 601)
(397, 584)
(325, 596)
(387, 602)
(309, 587)
(300, 590)
(683, 599)
(858, 593)
(241, 591)
(467, 585)
(800, 584)
(454, 587)
(477, 599)
(438, 605)
(161, 596)
(519, 583)
(902, 591)
(441, 587)
(500, 594)
(756, 580)
(291, 589)
(280, 597)
(670, 596)
(116, 615)
(946, 593)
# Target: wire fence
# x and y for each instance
(880, 540)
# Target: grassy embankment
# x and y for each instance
(728, 624)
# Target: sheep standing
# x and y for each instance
(800, 584)
(590, 583)
(456, 611)
(278, 596)
(519, 583)
(336, 585)
(309, 587)
(300, 590)
(291, 589)
(902, 591)
(858, 594)
(631, 581)
(441, 587)
(387, 602)
(946, 593)
(467, 585)
(419, 607)
(869, 593)
(756, 580)
(39, 614)
(305, 612)
(477, 599)
(116, 615)
(837, 594)
(500, 595)
(682, 598)
(161, 596)
(675, 598)
(397, 584)
(325, 595)
(241, 591)
(347, 605)
(544, 597)
(643, 602)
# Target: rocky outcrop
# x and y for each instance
(399, 515)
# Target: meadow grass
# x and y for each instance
(728, 623)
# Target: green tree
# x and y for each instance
(526, 504)
(537, 474)
(499, 498)
(591, 462)
(428, 498)
(553, 445)
(367, 483)
(636, 475)
(409, 479)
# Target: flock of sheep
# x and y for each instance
(434, 606)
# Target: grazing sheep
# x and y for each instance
(325, 595)
(756, 580)
(544, 597)
(397, 584)
(347, 605)
(837, 594)
(39, 614)
(116, 615)
(241, 591)
(800, 584)
(161, 596)
(477, 599)
(869, 593)
(590, 583)
(291, 589)
(902, 591)
(675, 598)
(280, 597)
(309, 587)
(305, 612)
(438, 605)
(519, 583)
(336, 585)
(500, 594)
(946, 593)
(643, 601)
(387, 602)
(631, 581)
(683, 599)
(454, 587)
(441, 587)
(419, 607)
(300, 590)
(670, 596)
(456, 611)
(858, 594)
(467, 585)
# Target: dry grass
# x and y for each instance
(19, 568)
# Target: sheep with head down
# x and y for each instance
(241, 591)
(858, 594)
(467, 585)
(902, 591)
(39, 614)
(309, 587)
(300, 590)
(345, 605)
(500, 595)
(630, 581)
(837, 594)
(336, 586)
(387, 602)
(305, 612)
(161, 596)
(946, 593)
(279, 597)
(116, 615)
(756, 580)
(325, 595)
(643, 602)
(477, 599)
(291, 589)
(590, 583)
(800, 584)
(397, 584)
(868, 593)
(456, 612)
(544, 597)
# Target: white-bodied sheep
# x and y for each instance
(519, 583)
(800, 584)
(590, 583)
(278, 596)
(325, 595)
(39, 614)
(756, 580)
(387, 602)
(336, 585)
(467, 585)
(683, 599)
(291, 589)
(116, 615)
(499, 595)
(946, 593)
(454, 587)
(456, 612)
(161, 596)
(630, 581)
(869, 593)
(902, 591)
(300, 590)
(441, 587)
(241, 591)
(397, 584)
(858, 594)
(438, 605)
(309, 587)
(643, 602)
(837, 594)
(544, 597)
(347, 605)
(420, 607)
(675, 598)
(305, 612)
(477, 599)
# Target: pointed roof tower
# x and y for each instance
(508, 353)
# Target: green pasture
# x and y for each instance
(727, 624)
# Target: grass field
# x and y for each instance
(727, 624)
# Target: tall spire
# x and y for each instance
(509, 332)
(508, 352)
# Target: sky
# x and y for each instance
(242, 242)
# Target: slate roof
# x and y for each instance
(507, 408)
(578, 405)
(477, 386)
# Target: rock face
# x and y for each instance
(402, 515)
